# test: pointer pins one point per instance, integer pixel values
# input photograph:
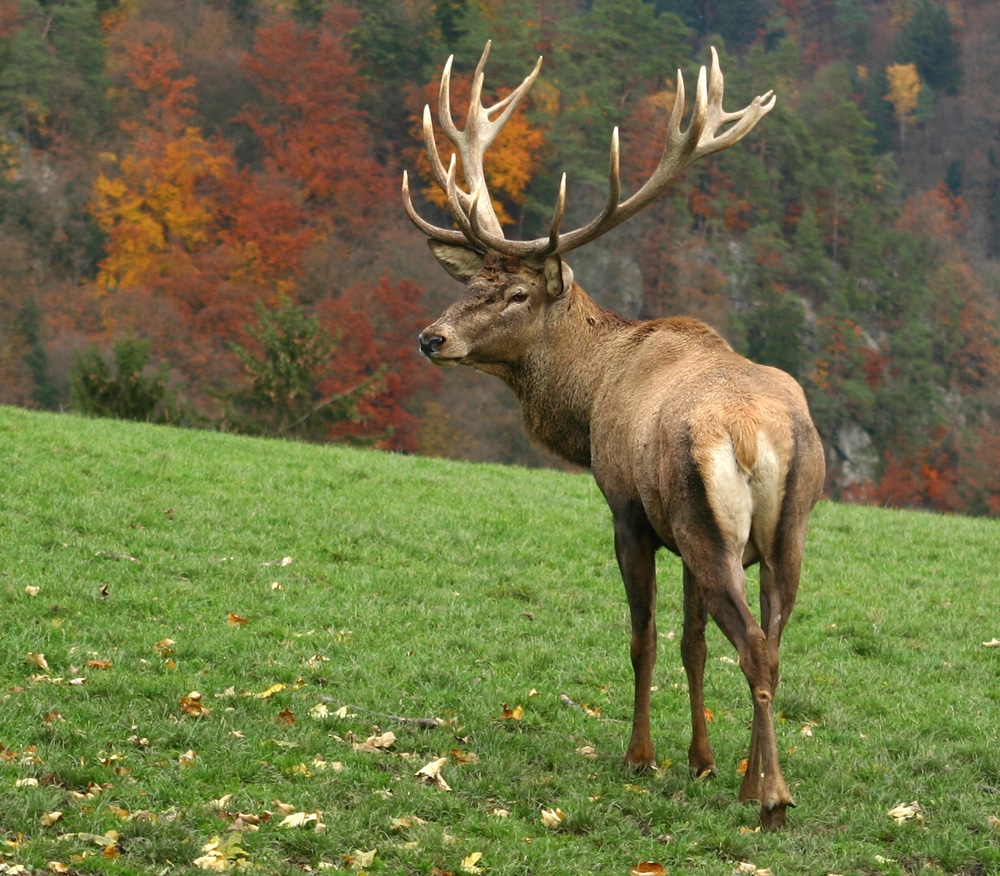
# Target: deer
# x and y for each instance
(695, 448)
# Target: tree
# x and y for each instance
(290, 359)
(124, 393)
(927, 40)
(904, 91)
(310, 123)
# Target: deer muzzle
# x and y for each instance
(434, 344)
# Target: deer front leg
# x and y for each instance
(701, 760)
(635, 548)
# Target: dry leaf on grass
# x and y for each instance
(647, 868)
(360, 860)
(905, 811)
(551, 818)
(37, 660)
(470, 863)
(47, 819)
(430, 774)
(234, 620)
(98, 664)
(303, 819)
(221, 854)
(992, 643)
(187, 760)
(509, 714)
(192, 705)
(375, 744)
(270, 692)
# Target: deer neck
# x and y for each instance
(558, 380)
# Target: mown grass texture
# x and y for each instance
(226, 691)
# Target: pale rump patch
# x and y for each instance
(729, 492)
(768, 487)
(746, 505)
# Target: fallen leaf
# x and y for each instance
(32, 591)
(905, 811)
(993, 822)
(469, 863)
(221, 854)
(742, 767)
(187, 760)
(360, 860)
(286, 717)
(284, 808)
(500, 813)
(192, 705)
(647, 868)
(234, 620)
(587, 751)
(37, 660)
(319, 712)
(431, 774)
(709, 716)
(509, 714)
(163, 647)
(98, 664)
(551, 818)
(460, 756)
(271, 691)
(807, 728)
(284, 561)
(377, 743)
(47, 819)
(54, 867)
(992, 643)
(302, 819)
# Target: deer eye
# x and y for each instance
(518, 297)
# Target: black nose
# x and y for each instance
(430, 343)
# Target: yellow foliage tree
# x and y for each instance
(904, 90)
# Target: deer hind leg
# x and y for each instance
(701, 760)
(635, 548)
(764, 780)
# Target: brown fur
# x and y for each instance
(694, 447)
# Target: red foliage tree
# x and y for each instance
(308, 119)
(376, 325)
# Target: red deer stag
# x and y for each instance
(695, 448)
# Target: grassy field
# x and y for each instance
(207, 642)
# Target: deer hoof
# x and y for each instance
(702, 770)
(773, 816)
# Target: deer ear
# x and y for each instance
(558, 276)
(459, 261)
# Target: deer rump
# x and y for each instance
(694, 447)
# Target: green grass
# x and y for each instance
(421, 588)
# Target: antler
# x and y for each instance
(473, 209)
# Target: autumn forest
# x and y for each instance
(201, 222)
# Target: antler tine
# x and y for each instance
(471, 206)
(680, 150)
(445, 235)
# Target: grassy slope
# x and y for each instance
(426, 588)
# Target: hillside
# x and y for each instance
(201, 632)
(190, 191)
